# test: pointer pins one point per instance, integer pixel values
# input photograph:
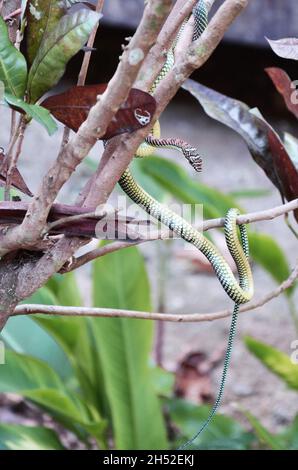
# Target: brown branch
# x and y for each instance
(194, 317)
(93, 128)
(87, 56)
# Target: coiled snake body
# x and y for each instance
(239, 292)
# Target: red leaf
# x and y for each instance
(17, 180)
(283, 84)
(72, 108)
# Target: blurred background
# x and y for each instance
(180, 281)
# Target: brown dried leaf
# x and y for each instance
(284, 86)
(17, 180)
(72, 108)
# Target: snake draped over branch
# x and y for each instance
(239, 292)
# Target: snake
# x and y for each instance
(237, 242)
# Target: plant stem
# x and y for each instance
(84, 69)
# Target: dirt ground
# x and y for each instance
(228, 167)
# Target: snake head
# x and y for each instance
(191, 154)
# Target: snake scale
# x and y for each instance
(239, 292)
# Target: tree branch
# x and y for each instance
(117, 160)
(93, 128)
(268, 214)
(194, 317)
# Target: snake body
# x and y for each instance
(239, 292)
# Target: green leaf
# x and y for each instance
(18, 437)
(264, 436)
(120, 281)
(172, 178)
(35, 380)
(42, 17)
(41, 345)
(267, 252)
(75, 337)
(163, 381)
(66, 289)
(275, 360)
(68, 37)
(222, 433)
(70, 410)
(149, 183)
(36, 112)
(13, 67)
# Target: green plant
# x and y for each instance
(107, 381)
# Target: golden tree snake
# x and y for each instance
(239, 292)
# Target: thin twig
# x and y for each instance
(12, 159)
(194, 317)
(75, 218)
(84, 69)
(87, 55)
(268, 214)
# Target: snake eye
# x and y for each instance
(142, 117)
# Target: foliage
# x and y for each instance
(281, 365)
(53, 38)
